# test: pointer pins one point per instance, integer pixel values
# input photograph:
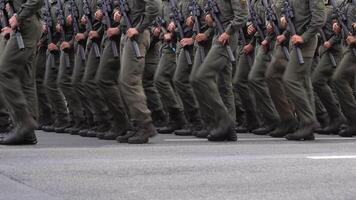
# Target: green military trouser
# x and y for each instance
(242, 88)
(79, 88)
(297, 79)
(154, 102)
(344, 80)
(274, 75)
(321, 79)
(54, 94)
(163, 80)
(17, 79)
(97, 104)
(44, 105)
(107, 80)
(258, 85)
(182, 83)
(205, 113)
(214, 84)
(4, 115)
(65, 84)
(130, 77)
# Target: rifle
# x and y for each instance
(256, 20)
(212, 8)
(342, 19)
(160, 22)
(243, 40)
(274, 21)
(61, 23)
(196, 13)
(289, 14)
(74, 12)
(5, 18)
(124, 10)
(89, 26)
(49, 26)
(107, 9)
(178, 19)
(331, 56)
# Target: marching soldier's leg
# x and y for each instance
(276, 87)
(258, 85)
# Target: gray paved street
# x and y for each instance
(172, 167)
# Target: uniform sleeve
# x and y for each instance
(239, 8)
(318, 12)
(151, 12)
(28, 9)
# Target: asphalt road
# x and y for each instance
(179, 168)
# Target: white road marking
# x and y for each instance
(332, 157)
(250, 139)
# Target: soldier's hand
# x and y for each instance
(13, 22)
(209, 20)
(112, 32)
(336, 28)
(99, 15)
(58, 28)
(117, 16)
(251, 30)
(224, 38)
(269, 28)
(65, 45)
(354, 26)
(44, 29)
(84, 20)
(189, 22)
(79, 37)
(327, 45)
(284, 23)
(171, 27)
(296, 39)
(265, 45)
(156, 31)
(167, 37)
(187, 42)
(93, 34)
(69, 20)
(247, 49)
(132, 32)
(5, 32)
(201, 37)
(52, 47)
(281, 39)
(351, 40)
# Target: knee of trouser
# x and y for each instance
(130, 80)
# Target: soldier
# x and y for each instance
(142, 15)
(233, 15)
(16, 80)
(309, 17)
(164, 74)
(344, 76)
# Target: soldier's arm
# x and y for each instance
(151, 12)
(239, 8)
(28, 9)
(318, 12)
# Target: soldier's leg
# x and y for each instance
(107, 81)
(185, 92)
(163, 82)
(297, 79)
(131, 74)
(344, 79)
(276, 87)
(258, 84)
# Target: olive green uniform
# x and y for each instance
(4, 115)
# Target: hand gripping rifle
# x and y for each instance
(342, 19)
(5, 17)
(196, 13)
(61, 23)
(178, 19)
(49, 26)
(212, 9)
(160, 22)
(331, 56)
(89, 26)
(74, 12)
(243, 41)
(274, 21)
(289, 14)
(107, 10)
(256, 20)
(124, 10)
